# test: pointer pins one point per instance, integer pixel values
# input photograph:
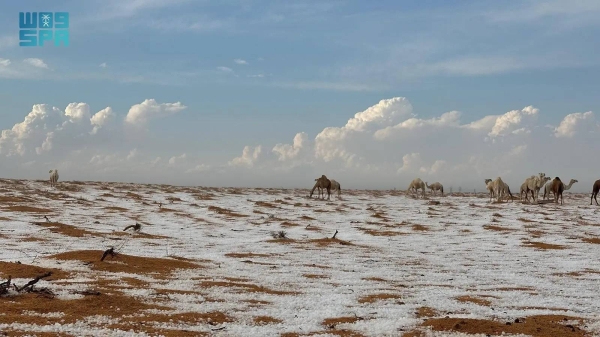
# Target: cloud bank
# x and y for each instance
(385, 146)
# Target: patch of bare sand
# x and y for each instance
(497, 228)
(315, 276)
(115, 209)
(161, 267)
(535, 326)
(64, 229)
(426, 312)
(378, 297)
(263, 320)
(266, 204)
(225, 211)
(244, 287)
(591, 240)
(542, 245)
(27, 209)
(247, 255)
(130, 313)
(420, 228)
(21, 270)
(474, 299)
(9, 198)
(377, 232)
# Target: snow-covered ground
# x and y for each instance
(394, 256)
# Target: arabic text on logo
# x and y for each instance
(35, 28)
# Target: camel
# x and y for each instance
(548, 187)
(595, 190)
(53, 177)
(533, 184)
(500, 188)
(490, 187)
(415, 185)
(322, 182)
(558, 188)
(524, 189)
(334, 186)
(435, 187)
(506, 190)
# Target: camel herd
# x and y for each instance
(497, 188)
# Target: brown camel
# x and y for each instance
(335, 186)
(557, 188)
(322, 182)
(595, 191)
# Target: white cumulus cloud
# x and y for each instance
(140, 114)
(36, 62)
(248, 158)
(568, 126)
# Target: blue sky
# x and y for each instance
(256, 73)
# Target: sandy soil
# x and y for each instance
(263, 262)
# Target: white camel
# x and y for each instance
(500, 188)
(53, 177)
(533, 184)
(335, 186)
(490, 187)
(548, 187)
(415, 185)
(435, 187)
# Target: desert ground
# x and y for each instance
(265, 262)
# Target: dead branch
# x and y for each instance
(86, 292)
(135, 227)
(4, 286)
(110, 251)
(34, 281)
(336, 231)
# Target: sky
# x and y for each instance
(276, 93)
